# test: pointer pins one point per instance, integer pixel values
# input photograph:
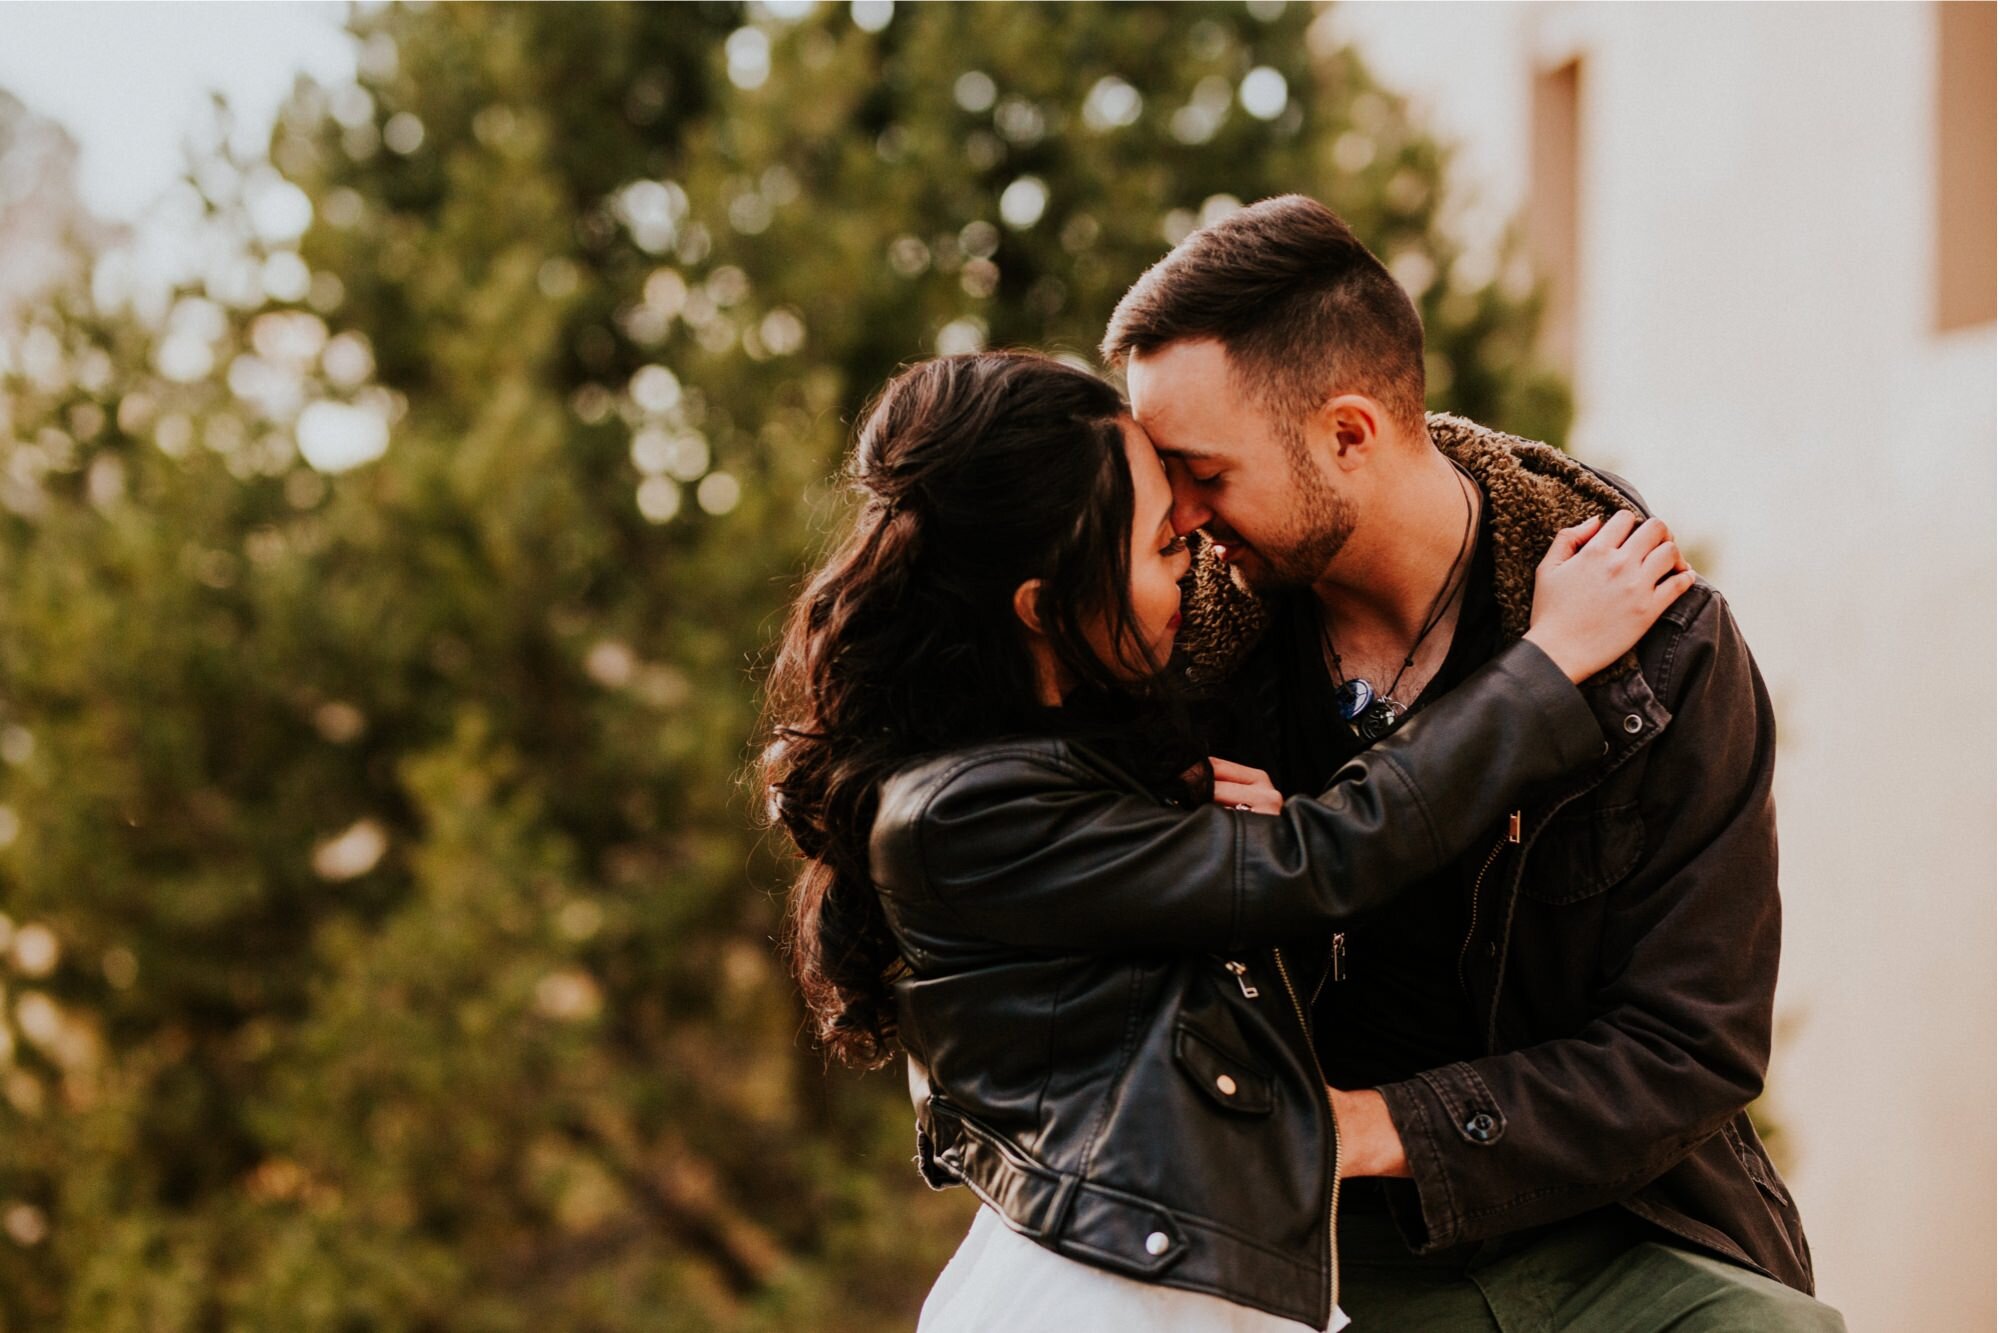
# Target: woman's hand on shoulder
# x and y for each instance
(1241, 787)
(1600, 588)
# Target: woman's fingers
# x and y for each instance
(1614, 532)
(1661, 561)
(1258, 796)
(1244, 787)
(1671, 588)
(1624, 531)
(1648, 536)
(1234, 772)
(1571, 539)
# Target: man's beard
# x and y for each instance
(1321, 522)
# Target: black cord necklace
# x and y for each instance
(1373, 715)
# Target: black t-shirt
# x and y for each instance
(1400, 1008)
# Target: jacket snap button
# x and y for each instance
(1480, 1127)
(1225, 1085)
(1157, 1243)
(1632, 724)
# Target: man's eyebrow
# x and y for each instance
(1191, 455)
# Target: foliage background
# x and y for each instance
(387, 939)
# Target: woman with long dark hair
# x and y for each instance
(1019, 869)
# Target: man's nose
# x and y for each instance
(1189, 514)
(1189, 510)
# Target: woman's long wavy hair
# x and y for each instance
(978, 473)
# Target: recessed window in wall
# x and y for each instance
(1965, 169)
(1554, 166)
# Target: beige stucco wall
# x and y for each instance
(1755, 350)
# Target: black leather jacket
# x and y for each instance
(1103, 1043)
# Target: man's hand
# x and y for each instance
(1369, 1144)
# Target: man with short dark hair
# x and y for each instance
(1540, 1060)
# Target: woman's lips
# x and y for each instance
(1174, 622)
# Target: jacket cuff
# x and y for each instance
(1436, 1223)
(1438, 1114)
(1572, 728)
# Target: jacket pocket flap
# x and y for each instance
(1226, 1079)
(1583, 852)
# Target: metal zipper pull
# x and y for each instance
(1514, 826)
(1339, 964)
(1237, 969)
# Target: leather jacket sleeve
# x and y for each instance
(1683, 1025)
(1018, 844)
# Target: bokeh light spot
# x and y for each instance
(748, 52)
(285, 277)
(872, 15)
(1023, 202)
(36, 951)
(279, 211)
(404, 134)
(1217, 207)
(335, 437)
(352, 853)
(26, 1225)
(1111, 104)
(1264, 93)
(961, 337)
(659, 499)
(783, 331)
(655, 390)
(975, 91)
(718, 493)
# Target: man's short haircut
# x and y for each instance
(1301, 307)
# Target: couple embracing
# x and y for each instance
(1317, 860)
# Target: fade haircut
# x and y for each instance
(1300, 306)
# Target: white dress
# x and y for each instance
(1000, 1280)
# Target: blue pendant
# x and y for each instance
(1352, 698)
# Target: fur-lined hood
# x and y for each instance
(1533, 491)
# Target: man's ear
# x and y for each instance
(1025, 598)
(1351, 424)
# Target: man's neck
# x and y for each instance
(1386, 578)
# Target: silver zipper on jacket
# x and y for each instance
(1238, 971)
(1336, 965)
(1472, 926)
(1514, 835)
(1333, 1123)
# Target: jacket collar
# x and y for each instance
(1532, 491)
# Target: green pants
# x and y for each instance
(1606, 1272)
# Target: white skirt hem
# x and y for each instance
(999, 1279)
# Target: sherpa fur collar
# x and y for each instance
(1532, 492)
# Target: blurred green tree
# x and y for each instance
(388, 946)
